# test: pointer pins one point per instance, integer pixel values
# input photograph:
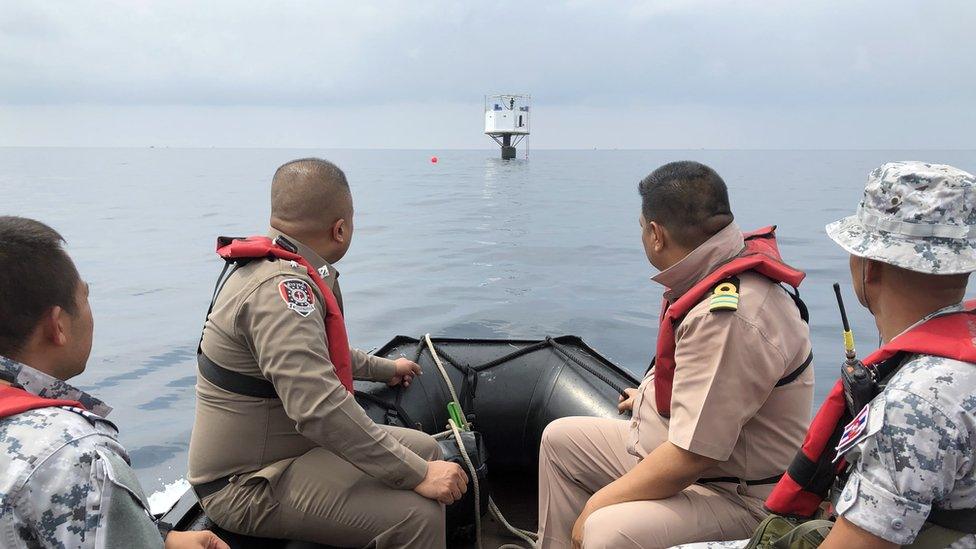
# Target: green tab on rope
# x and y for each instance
(454, 411)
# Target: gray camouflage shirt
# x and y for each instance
(918, 451)
(66, 482)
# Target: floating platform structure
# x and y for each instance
(507, 121)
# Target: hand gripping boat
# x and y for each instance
(509, 390)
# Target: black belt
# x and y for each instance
(234, 382)
(208, 489)
(737, 480)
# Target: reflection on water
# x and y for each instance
(472, 246)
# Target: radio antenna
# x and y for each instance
(848, 334)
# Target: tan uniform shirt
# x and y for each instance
(252, 331)
(724, 404)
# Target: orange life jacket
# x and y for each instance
(262, 247)
(760, 255)
(15, 401)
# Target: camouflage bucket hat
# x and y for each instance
(914, 215)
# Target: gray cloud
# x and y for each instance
(739, 59)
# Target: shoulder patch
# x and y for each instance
(297, 295)
(867, 423)
(725, 296)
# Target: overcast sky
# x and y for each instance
(656, 74)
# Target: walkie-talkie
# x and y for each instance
(858, 379)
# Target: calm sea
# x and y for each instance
(470, 246)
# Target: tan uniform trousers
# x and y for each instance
(580, 455)
(320, 497)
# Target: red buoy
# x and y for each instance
(433, 160)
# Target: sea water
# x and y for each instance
(471, 246)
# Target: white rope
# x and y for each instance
(525, 535)
(529, 537)
(447, 379)
(474, 481)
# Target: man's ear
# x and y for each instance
(873, 270)
(660, 235)
(54, 326)
(339, 230)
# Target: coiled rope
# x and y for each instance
(455, 429)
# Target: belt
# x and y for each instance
(208, 489)
(737, 480)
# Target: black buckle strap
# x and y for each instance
(234, 382)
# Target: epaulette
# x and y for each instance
(94, 419)
(725, 296)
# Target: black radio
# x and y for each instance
(860, 382)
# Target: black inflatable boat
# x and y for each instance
(509, 390)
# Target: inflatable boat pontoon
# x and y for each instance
(508, 389)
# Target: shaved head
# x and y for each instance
(308, 196)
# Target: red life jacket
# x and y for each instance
(15, 401)
(254, 247)
(760, 255)
(805, 484)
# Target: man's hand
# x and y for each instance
(445, 482)
(405, 370)
(626, 404)
(204, 539)
(577, 536)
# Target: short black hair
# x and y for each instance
(35, 275)
(308, 192)
(311, 166)
(688, 198)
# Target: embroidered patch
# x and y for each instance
(854, 431)
(297, 295)
(324, 271)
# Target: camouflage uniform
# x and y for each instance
(66, 480)
(919, 451)
(919, 448)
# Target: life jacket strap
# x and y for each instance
(791, 377)
(234, 382)
(962, 520)
(795, 296)
(231, 266)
